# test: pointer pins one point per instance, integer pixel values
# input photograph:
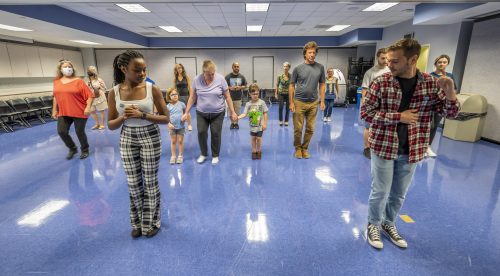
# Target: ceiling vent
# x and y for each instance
(291, 23)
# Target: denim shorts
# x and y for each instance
(256, 134)
(180, 131)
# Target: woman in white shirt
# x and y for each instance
(131, 107)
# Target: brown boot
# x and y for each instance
(298, 153)
(254, 155)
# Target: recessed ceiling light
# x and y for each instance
(254, 28)
(133, 7)
(257, 7)
(337, 28)
(171, 29)
(380, 6)
(15, 29)
(86, 42)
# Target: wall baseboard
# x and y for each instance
(490, 140)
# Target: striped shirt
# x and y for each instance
(380, 109)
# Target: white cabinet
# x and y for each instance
(76, 58)
(49, 58)
(33, 60)
(18, 62)
(5, 70)
(24, 61)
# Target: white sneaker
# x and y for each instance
(215, 160)
(329, 119)
(430, 153)
(201, 159)
(325, 119)
(172, 160)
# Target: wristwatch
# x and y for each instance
(143, 116)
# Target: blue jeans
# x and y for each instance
(390, 182)
(328, 107)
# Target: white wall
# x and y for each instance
(481, 72)
(161, 62)
(443, 39)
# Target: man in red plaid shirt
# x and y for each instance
(399, 107)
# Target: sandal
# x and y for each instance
(95, 127)
(172, 160)
(179, 159)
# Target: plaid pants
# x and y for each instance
(140, 149)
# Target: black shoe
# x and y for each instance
(152, 232)
(84, 154)
(231, 126)
(136, 233)
(71, 153)
(236, 126)
(367, 153)
(373, 236)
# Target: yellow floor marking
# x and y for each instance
(406, 218)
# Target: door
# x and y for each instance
(189, 64)
(423, 58)
(263, 72)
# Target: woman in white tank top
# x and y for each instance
(131, 107)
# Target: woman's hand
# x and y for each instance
(170, 126)
(234, 117)
(132, 111)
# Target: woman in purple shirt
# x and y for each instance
(210, 90)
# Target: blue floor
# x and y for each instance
(276, 216)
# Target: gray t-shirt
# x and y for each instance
(255, 112)
(306, 78)
(372, 74)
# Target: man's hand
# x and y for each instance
(86, 112)
(447, 85)
(409, 116)
(292, 106)
(322, 105)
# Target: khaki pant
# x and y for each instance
(237, 108)
(307, 111)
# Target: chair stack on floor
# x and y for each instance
(20, 111)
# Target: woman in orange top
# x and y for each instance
(72, 102)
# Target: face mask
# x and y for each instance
(67, 71)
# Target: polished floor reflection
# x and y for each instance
(275, 216)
